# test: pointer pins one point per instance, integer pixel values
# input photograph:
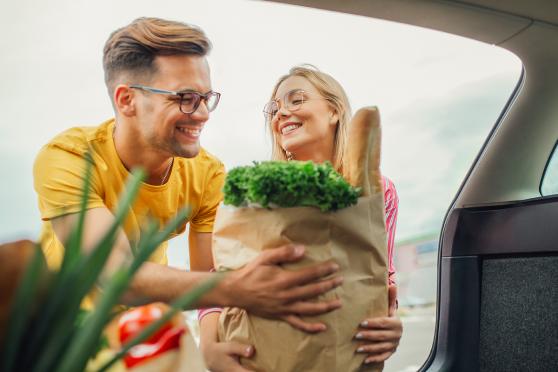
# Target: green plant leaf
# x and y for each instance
(75, 284)
(76, 357)
(72, 247)
(54, 341)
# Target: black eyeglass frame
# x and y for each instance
(198, 97)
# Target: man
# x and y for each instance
(158, 79)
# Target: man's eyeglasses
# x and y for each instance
(189, 99)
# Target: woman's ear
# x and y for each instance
(124, 100)
(333, 118)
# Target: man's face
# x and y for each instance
(162, 125)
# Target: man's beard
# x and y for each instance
(175, 148)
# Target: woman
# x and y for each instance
(308, 115)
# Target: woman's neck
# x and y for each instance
(316, 155)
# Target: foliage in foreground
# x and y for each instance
(42, 332)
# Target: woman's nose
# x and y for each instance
(283, 111)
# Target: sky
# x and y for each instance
(439, 95)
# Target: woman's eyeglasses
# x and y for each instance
(292, 101)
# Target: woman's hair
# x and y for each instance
(131, 50)
(335, 95)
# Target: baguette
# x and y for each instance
(362, 151)
(374, 154)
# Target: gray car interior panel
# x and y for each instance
(519, 321)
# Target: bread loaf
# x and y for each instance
(374, 153)
(362, 151)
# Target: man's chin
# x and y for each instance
(188, 152)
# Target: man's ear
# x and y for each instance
(124, 100)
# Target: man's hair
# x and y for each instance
(131, 50)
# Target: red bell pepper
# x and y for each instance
(165, 338)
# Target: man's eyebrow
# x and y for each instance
(189, 90)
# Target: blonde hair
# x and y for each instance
(333, 92)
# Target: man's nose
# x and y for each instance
(201, 113)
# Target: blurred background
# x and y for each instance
(439, 96)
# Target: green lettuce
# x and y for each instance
(289, 184)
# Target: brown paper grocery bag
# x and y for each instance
(353, 237)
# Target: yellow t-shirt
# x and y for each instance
(58, 180)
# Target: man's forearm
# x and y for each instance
(154, 282)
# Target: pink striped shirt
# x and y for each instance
(391, 202)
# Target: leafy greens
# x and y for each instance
(289, 184)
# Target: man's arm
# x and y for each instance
(152, 282)
(261, 287)
(201, 256)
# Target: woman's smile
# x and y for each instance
(289, 127)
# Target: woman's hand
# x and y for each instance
(380, 336)
(221, 356)
(225, 356)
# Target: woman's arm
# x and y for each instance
(380, 336)
(391, 201)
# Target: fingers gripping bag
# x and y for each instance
(275, 203)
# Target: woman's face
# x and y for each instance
(306, 130)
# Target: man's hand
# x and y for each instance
(263, 288)
(381, 335)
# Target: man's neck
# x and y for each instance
(134, 153)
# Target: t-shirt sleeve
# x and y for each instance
(58, 176)
(212, 196)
